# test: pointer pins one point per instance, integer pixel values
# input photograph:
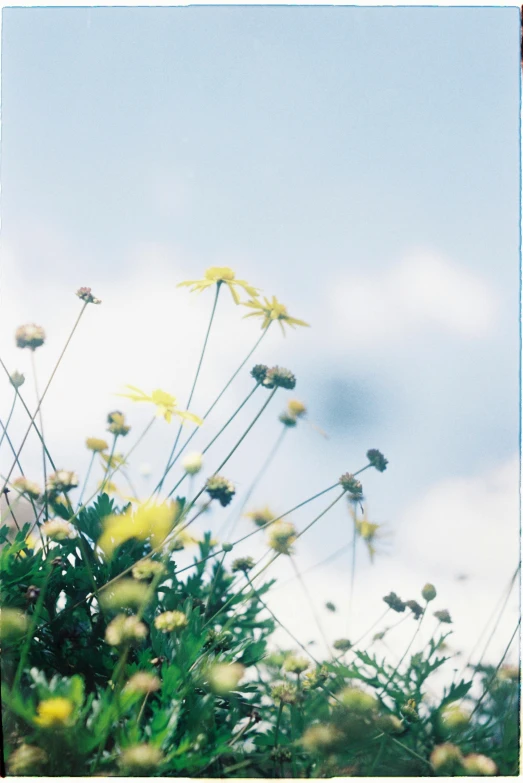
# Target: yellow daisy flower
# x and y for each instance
(166, 404)
(54, 712)
(272, 310)
(221, 275)
(146, 522)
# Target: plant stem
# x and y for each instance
(86, 478)
(41, 421)
(277, 735)
(498, 667)
(8, 422)
(109, 464)
(311, 605)
(31, 632)
(394, 672)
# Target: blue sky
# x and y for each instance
(360, 163)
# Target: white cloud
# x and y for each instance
(422, 291)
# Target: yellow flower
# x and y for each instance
(146, 522)
(54, 712)
(114, 462)
(96, 444)
(272, 310)
(219, 275)
(368, 531)
(261, 516)
(57, 529)
(282, 536)
(166, 404)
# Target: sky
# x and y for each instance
(362, 164)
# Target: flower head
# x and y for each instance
(395, 602)
(30, 336)
(242, 564)
(279, 377)
(377, 460)
(410, 710)
(259, 371)
(415, 608)
(443, 616)
(143, 682)
(296, 664)
(147, 570)
(477, 764)
(124, 593)
(86, 295)
(351, 485)
(271, 310)
(192, 463)
(221, 275)
(261, 516)
(446, 759)
(166, 404)
(17, 379)
(284, 692)
(96, 444)
(26, 760)
(170, 621)
(282, 536)
(57, 529)
(125, 628)
(54, 712)
(224, 677)
(287, 419)
(28, 488)
(221, 489)
(62, 481)
(343, 645)
(454, 718)
(117, 425)
(141, 758)
(146, 523)
(428, 592)
(296, 408)
(357, 700)
(321, 737)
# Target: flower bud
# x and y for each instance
(377, 460)
(143, 682)
(428, 592)
(125, 629)
(18, 379)
(221, 489)
(147, 570)
(453, 718)
(87, 296)
(226, 547)
(192, 463)
(243, 564)
(357, 700)
(57, 529)
(446, 759)
(476, 764)
(96, 444)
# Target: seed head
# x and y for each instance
(125, 629)
(377, 460)
(192, 463)
(243, 564)
(443, 616)
(18, 379)
(26, 760)
(30, 336)
(86, 295)
(170, 621)
(28, 488)
(428, 592)
(282, 536)
(395, 602)
(351, 485)
(279, 377)
(117, 425)
(221, 489)
(258, 372)
(96, 444)
(62, 481)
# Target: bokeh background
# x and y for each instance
(362, 164)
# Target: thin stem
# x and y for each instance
(87, 475)
(31, 632)
(109, 464)
(41, 421)
(491, 680)
(311, 605)
(33, 417)
(394, 672)
(8, 422)
(352, 574)
(277, 734)
(202, 354)
(213, 585)
(328, 559)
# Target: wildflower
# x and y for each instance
(242, 564)
(226, 547)
(315, 678)
(221, 275)
(454, 718)
(351, 485)
(261, 516)
(330, 606)
(322, 737)
(125, 628)
(377, 460)
(170, 621)
(368, 531)
(57, 529)
(476, 764)
(62, 481)
(284, 692)
(259, 371)
(296, 664)
(395, 602)
(117, 425)
(141, 758)
(192, 463)
(287, 420)
(428, 592)
(271, 310)
(296, 408)
(147, 570)
(26, 487)
(415, 608)
(224, 677)
(87, 296)
(357, 700)
(446, 759)
(13, 624)
(17, 379)
(124, 593)
(342, 644)
(146, 523)
(220, 488)
(281, 537)
(410, 710)
(143, 682)
(166, 404)
(30, 336)
(443, 616)
(54, 712)
(279, 377)
(26, 760)
(96, 444)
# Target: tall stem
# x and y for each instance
(8, 422)
(202, 354)
(86, 478)
(109, 464)
(311, 605)
(41, 422)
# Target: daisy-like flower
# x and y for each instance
(96, 444)
(57, 529)
(62, 481)
(54, 712)
(221, 489)
(30, 336)
(26, 487)
(146, 523)
(170, 621)
(166, 404)
(271, 310)
(86, 295)
(282, 536)
(218, 275)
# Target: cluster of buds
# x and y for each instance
(125, 628)
(244, 564)
(351, 485)
(62, 481)
(30, 336)
(116, 424)
(170, 621)
(395, 602)
(377, 460)
(279, 377)
(282, 536)
(28, 488)
(86, 295)
(221, 489)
